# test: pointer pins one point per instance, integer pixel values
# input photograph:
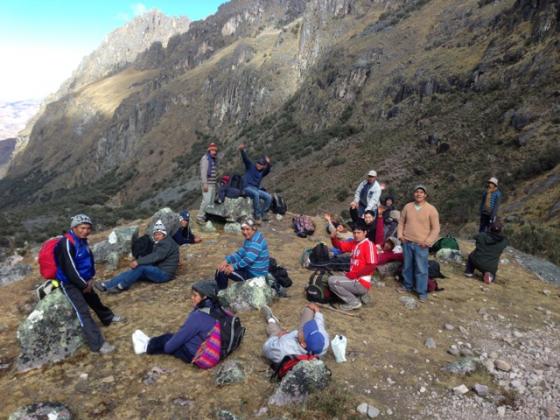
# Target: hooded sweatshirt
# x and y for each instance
(489, 247)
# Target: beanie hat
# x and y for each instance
(159, 227)
(185, 215)
(314, 340)
(421, 187)
(80, 219)
(207, 288)
(213, 146)
(494, 181)
(249, 222)
(262, 161)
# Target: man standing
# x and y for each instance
(366, 196)
(249, 261)
(208, 179)
(357, 282)
(490, 204)
(75, 272)
(159, 266)
(184, 234)
(418, 230)
(254, 173)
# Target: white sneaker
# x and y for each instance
(140, 342)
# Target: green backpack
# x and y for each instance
(447, 241)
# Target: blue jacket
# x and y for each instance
(252, 176)
(74, 261)
(193, 332)
(494, 202)
(252, 256)
(184, 236)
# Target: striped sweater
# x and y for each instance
(252, 256)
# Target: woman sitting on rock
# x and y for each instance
(184, 343)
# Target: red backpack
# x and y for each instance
(288, 363)
(46, 258)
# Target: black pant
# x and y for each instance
(238, 275)
(471, 266)
(156, 345)
(81, 302)
(485, 222)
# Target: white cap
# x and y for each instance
(372, 173)
(494, 181)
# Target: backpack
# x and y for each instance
(447, 241)
(288, 363)
(142, 246)
(318, 288)
(434, 270)
(433, 285)
(221, 341)
(46, 257)
(319, 258)
(303, 226)
(279, 205)
(236, 182)
(279, 273)
(319, 255)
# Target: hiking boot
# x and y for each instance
(115, 290)
(469, 275)
(488, 278)
(100, 286)
(422, 299)
(402, 289)
(350, 306)
(365, 299)
(106, 348)
(267, 314)
(119, 318)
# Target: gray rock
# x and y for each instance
(449, 255)
(430, 343)
(389, 270)
(42, 410)
(232, 228)
(362, 408)
(305, 378)
(12, 270)
(544, 269)
(466, 352)
(232, 209)
(502, 365)
(462, 366)
(230, 372)
(208, 227)
(453, 350)
(372, 412)
(248, 295)
(116, 246)
(448, 327)
(225, 415)
(481, 390)
(49, 334)
(168, 217)
(409, 302)
(461, 389)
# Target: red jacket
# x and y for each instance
(363, 260)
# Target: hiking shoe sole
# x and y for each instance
(469, 275)
(488, 278)
(349, 307)
(403, 290)
(100, 287)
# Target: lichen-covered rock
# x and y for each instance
(248, 295)
(116, 246)
(462, 366)
(450, 255)
(49, 334)
(232, 228)
(168, 217)
(232, 209)
(389, 270)
(208, 227)
(13, 270)
(225, 415)
(230, 372)
(409, 302)
(305, 378)
(42, 410)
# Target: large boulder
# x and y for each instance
(168, 217)
(463, 366)
(50, 333)
(232, 209)
(42, 410)
(13, 270)
(450, 255)
(248, 295)
(306, 377)
(116, 246)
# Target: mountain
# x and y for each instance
(444, 92)
(7, 147)
(14, 116)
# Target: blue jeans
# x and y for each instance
(415, 270)
(156, 345)
(142, 272)
(258, 195)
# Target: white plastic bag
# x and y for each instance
(338, 345)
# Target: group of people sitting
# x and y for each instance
(379, 235)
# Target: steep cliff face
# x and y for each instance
(442, 92)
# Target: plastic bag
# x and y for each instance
(338, 345)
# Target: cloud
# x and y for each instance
(139, 9)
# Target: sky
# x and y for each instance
(42, 42)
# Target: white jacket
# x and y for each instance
(373, 196)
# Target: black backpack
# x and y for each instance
(232, 331)
(236, 182)
(434, 270)
(142, 246)
(319, 259)
(318, 288)
(279, 205)
(319, 255)
(279, 273)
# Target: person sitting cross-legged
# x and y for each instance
(311, 337)
(350, 286)
(159, 266)
(249, 261)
